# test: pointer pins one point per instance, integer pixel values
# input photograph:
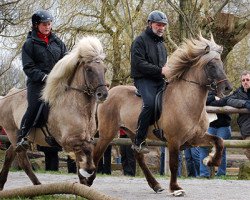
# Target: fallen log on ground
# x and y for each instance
(56, 188)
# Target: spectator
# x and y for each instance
(104, 165)
(71, 165)
(148, 66)
(221, 128)
(241, 99)
(192, 157)
(127, 157)
(51, 157)
(192, 161)
(3, 145)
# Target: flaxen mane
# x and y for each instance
(192, 52)
(88, 49)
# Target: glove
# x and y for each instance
(247, 104)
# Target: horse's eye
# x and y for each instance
(88, 69)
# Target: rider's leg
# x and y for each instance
(34, 102)
(148, 90)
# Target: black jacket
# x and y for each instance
(148, 56)
(223, 120)
(238, 100)
(39, 58)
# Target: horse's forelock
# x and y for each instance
(90, 49)
(192, 52)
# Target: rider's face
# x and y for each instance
(158, 28)
(45, 27)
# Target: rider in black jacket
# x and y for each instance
(148, 59)
(40, 52)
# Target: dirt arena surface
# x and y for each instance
(127, 188)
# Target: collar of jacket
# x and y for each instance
(151, 34)
(32, 34)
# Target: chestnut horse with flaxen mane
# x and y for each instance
(73, 88)
(194, 68)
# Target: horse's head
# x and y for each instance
(216, 78)
(198, 61)
(94, 79)
(81, 70)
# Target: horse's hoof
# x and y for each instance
(178, 193)
(158, 189)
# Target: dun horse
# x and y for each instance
(195, 68)
(74, 87)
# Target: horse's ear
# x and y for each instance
(207, 49)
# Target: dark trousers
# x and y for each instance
(51, 157)
(71, 165)
(104, 166)
(34, 102)
(127, 159)
(148, 90)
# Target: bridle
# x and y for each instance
(213, 85)
(86, 88)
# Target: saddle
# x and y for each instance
(41, 120)
(157, 113)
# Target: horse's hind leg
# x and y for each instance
(217, 142)
(9, 157)
(100, 148)
(150, 178)
(24, 163)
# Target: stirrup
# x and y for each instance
(142, 148)
(23, 145)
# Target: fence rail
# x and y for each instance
(127, 141)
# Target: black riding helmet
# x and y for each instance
(41, 16)
(157, 16)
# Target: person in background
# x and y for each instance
(241, 99)
(51, 157)
(127, 157)
(221, 128)
(3, 145)
(148, 66)
(40, 52)
(104, 166)
(192, 161)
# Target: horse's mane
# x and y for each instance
(192, 53)
(88, 49)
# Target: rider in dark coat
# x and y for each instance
(148, 59)
(40, 52)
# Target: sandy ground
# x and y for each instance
(127, 188)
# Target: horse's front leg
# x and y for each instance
(149, 176)
(84, 161)
(175, 189)
(217, 142)
(9, 157)
(25, 164)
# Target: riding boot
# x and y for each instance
(22, 142)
